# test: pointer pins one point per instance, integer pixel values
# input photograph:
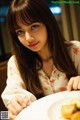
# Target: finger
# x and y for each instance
(16, 106)
(21, 101)
(70, 84)
(79, 85)
(75, 84)
(27, 101)
(11, 116)
(12, 109)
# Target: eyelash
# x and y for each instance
(34, 26)
(21, 32)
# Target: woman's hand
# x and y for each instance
(16, 105)
(11, 116)
(74, 83)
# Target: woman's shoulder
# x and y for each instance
(12, 61)
(73, 48)
(12, 64)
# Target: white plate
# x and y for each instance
(54, 111)
(47, 108)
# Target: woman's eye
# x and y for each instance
(34, 26)
(20, 32)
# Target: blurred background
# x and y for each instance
(67, 16)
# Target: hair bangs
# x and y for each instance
(25, 17)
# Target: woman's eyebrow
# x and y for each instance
(18, 27)
(16, 30)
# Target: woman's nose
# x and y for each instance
(29, 38)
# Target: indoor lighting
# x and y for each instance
(56, 10)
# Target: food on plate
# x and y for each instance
(68, 110)
(76, 116)
(77, 102)
(71, 111)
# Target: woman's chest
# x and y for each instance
(56, 82)
(47, 68)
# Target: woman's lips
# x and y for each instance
(33, 44)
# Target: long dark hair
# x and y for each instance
(28, 11)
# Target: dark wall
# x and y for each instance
(3, 77)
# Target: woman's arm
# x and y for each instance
(74, 82)
(15, 96)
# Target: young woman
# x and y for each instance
(43, 62)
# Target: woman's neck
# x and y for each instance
(45, 54)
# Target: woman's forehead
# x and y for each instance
(20, 21)
(23, 18)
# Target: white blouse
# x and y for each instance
(56, 83)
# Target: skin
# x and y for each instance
(34, 37)
(74, 83)
(16, 105)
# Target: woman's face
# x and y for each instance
(33, 36)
